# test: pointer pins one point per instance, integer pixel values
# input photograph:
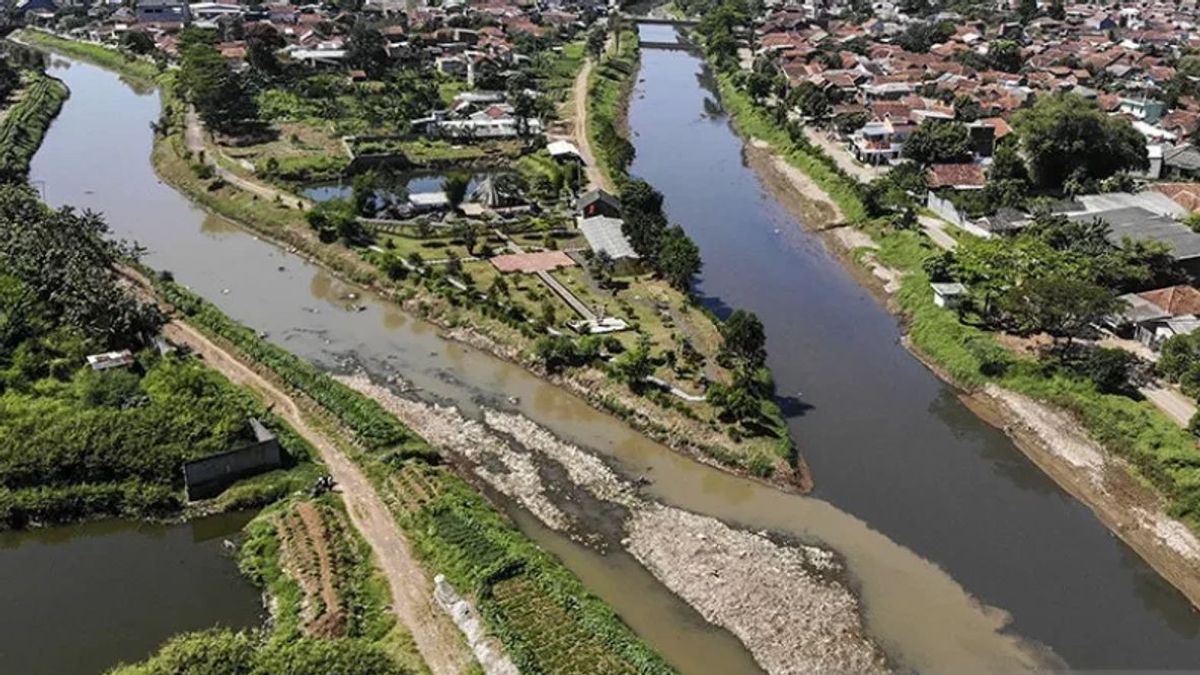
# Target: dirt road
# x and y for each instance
(439, 641)
(194, 138)
(579, 127)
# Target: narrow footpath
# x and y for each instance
(194, 136)
(579, 127)
(438, 640)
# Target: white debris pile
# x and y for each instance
(775, 599)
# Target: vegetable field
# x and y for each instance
(546, 619)
(317, 568)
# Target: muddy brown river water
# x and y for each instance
(965, 556)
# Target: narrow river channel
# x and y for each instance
(894, 445)
(83, 598)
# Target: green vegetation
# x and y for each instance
(220, 96)
(25, 123)
(453, 528)
(1070, 142)
(937, 142)
(223, 652)
(756, 123)
(281, 552)
(546, 619)
(608, 93)
(126, 64)
(76, 442)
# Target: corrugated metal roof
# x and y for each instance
(604, 234)
(1142, 225)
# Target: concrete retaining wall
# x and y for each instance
(208, 477)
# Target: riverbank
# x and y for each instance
(24, 122)
(141, 69)
(749, 583)
(1137, 441)
(400, 476)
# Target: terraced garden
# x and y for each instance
(317, 570)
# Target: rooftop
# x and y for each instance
(604, 234)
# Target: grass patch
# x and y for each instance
(24, 124)
(124, 63)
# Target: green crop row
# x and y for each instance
(546, 619)
(25, 123)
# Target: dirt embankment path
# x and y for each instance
(193, 135)
(439, 641)
(579, 126)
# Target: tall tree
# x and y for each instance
(1065, 135)
(219, 94)
(366, 49)
(678, 259)
(743, 339)
(937, 142)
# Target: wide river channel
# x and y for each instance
(966, 557)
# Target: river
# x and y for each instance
(897, 449)
(82, 598)
(886, 439)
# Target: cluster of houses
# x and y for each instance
(1126, 58)
(1123, 59)
(315, 33)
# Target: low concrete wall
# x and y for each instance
(208, 477)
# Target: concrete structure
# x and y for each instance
(109, 360)
(604, 234)
(208, 477)
(948, 295)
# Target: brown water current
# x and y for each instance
(922, 616)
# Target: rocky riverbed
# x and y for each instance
(787, 602)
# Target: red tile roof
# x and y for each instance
(955, 175)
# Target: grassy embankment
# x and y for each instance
(609, 87)
(25, 122)
(120, 62)
(1162, 454)
(545, 617)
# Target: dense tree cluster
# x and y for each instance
(667, 248)
(1066, 139)
(221, 96)
(75, 442)
(938, 142)
(1057, 276)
